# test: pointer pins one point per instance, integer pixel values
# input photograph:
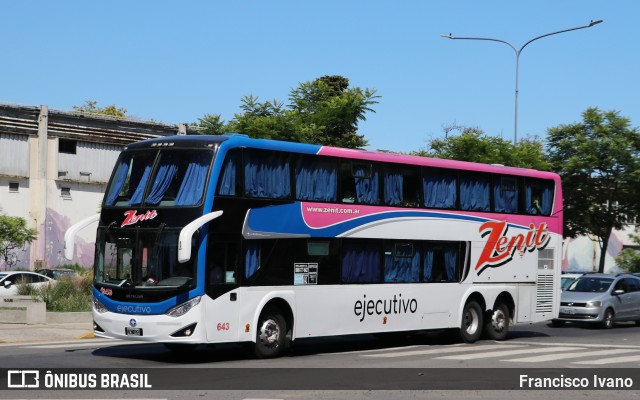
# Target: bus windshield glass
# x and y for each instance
(168, 177)
(142, 259)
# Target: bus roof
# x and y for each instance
(238, 140)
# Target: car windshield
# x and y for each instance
(565, 281)
(168, 177)
(141, 258)
(590, 284)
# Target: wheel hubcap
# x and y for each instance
(471, 321)
(269, 333)
(498, 321)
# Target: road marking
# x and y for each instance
(565, 356)
(444, 350)
(610, 360)
(608, 346)
(493, 354)
(368, 351)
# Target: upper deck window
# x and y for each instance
(505, 194)
(178, 179)
(316, 179)
(538, 197)
(266, 175)
(439, 189)
(474, 192)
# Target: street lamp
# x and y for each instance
(518, 51)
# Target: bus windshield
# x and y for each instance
(142, 259)
(166, 177)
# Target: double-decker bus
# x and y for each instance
(212, 239)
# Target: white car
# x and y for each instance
(10, 279)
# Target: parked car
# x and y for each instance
(601, 299)
(9, 281)
(567, 279)
(57, 273)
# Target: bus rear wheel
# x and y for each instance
(271, 334)
(497, 325)
(471, 324)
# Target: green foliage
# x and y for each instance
(599, 161)
(472, 144)
(211, 124)
(14, 235)
(91, 107)
(325, 111)
(68, 294)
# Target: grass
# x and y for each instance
(66, 295)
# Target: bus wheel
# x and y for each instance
(271, 335)
(471, 326)
(497, 325)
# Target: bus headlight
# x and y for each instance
(594, 304)
(99, 307)
(184, 308)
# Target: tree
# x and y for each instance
(332, 110)
(472, 144)
(599, 161)
(14, 235)
(91, 107)
(325, 111)
(629, 259)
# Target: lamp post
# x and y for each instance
(518, 52)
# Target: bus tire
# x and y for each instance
(496, 327)
(271, 335)
(471, 324)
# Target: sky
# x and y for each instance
(177, 61)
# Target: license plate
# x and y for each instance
(133, 331)
(567, 311)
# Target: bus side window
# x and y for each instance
(538, 197)
(223, 262)
(267, 175)
(360, 261)
(316, 179)
(359, 183)
(441, 262)
(230, 181)
(505, 194)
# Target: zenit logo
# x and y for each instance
(500, 248)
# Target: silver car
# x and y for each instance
(601, 299)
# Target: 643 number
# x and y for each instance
(222, 326)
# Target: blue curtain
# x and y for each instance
(474, 193)
(401, 266)
(316, 180)
(164, 177)
(227, 186)
(194, 180)
(119, 179)
(266, 176)
(393, 194)
(505, 201)
(136, 199)
(366, 179)
(252, 259)
(451, 263)
(544, 202)
(360, 263)
(427, 264)
(439, 190)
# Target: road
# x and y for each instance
(352, 367)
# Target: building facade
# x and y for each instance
(54, 168)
